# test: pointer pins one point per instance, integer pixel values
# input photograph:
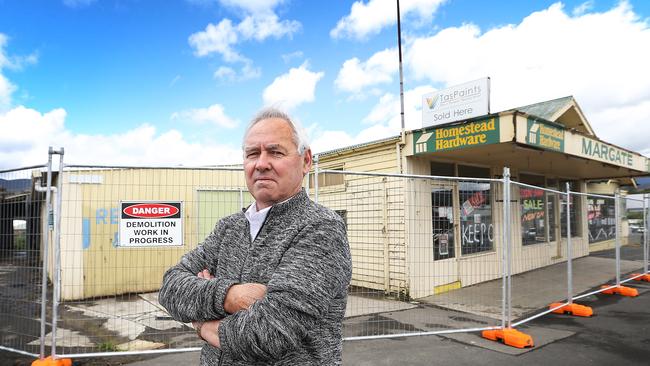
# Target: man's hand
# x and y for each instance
(240, 297)
(205, 274)
(208, 331)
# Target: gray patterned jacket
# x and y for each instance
(301, 254)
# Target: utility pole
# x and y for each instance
(401, 72)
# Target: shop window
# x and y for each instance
(477, 230)
(551, 206)
(442, 169)
(442, 222)
(533, 210)
(601, 218)
(574, 204)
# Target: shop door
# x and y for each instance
(445, 231)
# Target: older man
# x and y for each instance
(269, 285)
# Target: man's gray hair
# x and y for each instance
(298, 133)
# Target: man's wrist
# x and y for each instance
(197, 327)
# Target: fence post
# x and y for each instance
(617, 215)
(507, 234)
(57, 252)
(316, 178)
(45, 240)
(569, 248)
(646, 227)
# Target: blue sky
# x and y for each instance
(174, 82)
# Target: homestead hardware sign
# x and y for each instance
(457, 137)
(151, 224)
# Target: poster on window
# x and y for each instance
(443, 241)
(477, 231)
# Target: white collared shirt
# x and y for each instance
(256, 218)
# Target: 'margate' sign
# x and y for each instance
(593, 149)
(601, 151)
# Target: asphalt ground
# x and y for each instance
(619, 333)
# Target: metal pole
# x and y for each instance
(569, 251)
(316, 179)
(617, 214)
(57, 253)
(45, 240)
(401, 72)
(505, 252)
(509, 251)
(645, 228)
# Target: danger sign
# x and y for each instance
(151, 224)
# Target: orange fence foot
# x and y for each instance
(641, 277)
(509, 336)
(571, 309)
(51, 362)
(620, 290)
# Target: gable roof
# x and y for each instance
(564, 111)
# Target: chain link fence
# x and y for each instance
(81, 263)
(23, 222)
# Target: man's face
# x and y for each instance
(274, 169)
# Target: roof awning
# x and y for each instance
(528, 143)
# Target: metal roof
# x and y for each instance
(547, 109)
(358, 146)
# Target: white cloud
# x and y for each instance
(369, 18)
(293, 88)
(583, 8)
(290, 56)
(384, 120)
(7, 88)
(261, 27)
(596, 57)
(247, 71)
(213, 114)
(259, 23)
(225, 73)
(626, 126)
(216, 38)
(29, 133)
(355, 75)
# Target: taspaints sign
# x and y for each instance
(457, 103)
(151, 224)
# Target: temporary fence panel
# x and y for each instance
(23, 222)
(592, 252)
(605, 234)
(122, 228)
(418, 245)
(633, 248)
(546, 233)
